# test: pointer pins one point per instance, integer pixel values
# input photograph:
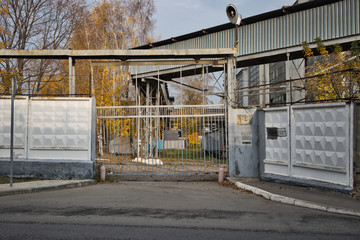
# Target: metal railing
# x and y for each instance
(339, 86)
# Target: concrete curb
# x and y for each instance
(32, 189)
(293, 201)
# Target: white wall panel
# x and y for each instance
(318, 145)
(277, 150)
(62, 125)
(322, 137)
(19, 126)
(47, 128)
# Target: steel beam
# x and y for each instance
(123, 55)
(152, 63)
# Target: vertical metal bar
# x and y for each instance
(181, 120)
(132, 136)
(12, 131)
(204, 109)
(114, 141)
(126, 153)
(157, 121)
(71, 76)
(92, 80)
(138, 121)
(226, 80)
(198, 148)
(147, 120)
(121, 134)
(114, 86)
(223, 138)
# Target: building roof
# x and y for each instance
(299, 5)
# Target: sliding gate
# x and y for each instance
(165, 140)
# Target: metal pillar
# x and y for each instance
(264, 80)
(288, 77)
(157, 121)
(138, 120)
(13, 92)
(231, 80)
(261, 84)
(147, 123)
(246, 83)
(71, 76)
(267, 82)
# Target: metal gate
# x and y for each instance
(165, 140)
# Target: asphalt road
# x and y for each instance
(164, 210)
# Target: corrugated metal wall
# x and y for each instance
(340, 19)
(332, 21)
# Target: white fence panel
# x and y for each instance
(47, 128)
(20, 126)
(321, 142)
(277, 148)
(315, 145)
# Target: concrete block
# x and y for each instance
(49, 169)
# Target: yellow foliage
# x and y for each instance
(111, 24)
(55, 86)
(193, 139)
(330, 76)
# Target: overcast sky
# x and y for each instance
(179, 17)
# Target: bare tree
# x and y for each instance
(194, 90)
(36, 24)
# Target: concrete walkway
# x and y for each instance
(44, 185)
(307, 197)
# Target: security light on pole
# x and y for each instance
(233, 14)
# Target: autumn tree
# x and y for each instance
(3, 31)
(111, 24)
(332, 76)
(36, 24)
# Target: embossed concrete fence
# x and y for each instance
(53, 137)
(310, 144)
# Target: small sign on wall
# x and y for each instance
(274, 132)
(281, 132)
(243, 121)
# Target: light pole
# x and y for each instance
(13, 92)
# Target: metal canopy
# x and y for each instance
(249, 60)
(273, 36)
(123, 55)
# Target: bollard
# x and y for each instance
(102, 173)
(221, 175)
